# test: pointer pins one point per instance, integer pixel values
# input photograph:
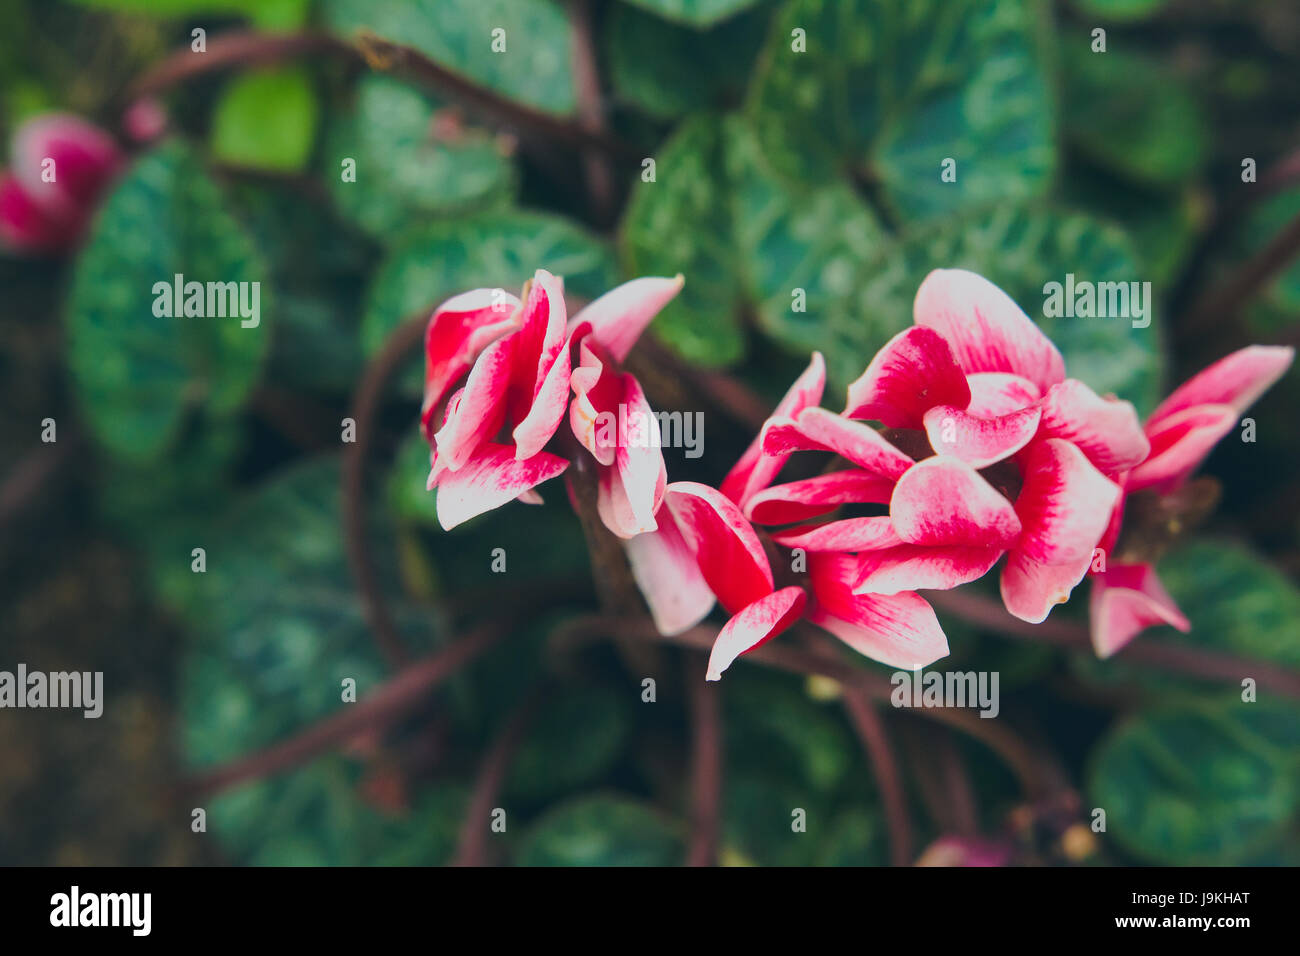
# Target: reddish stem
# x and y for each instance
(1019, 758)
(871, 731)
(473, 846)
(706, 766)
(369, 392)
(376, 710)
(1178, 658)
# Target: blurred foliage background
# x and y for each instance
(773, 170)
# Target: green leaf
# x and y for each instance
(314, 816)
(574, 740)
(1020, 248)
(388, 167)
(695, 13)
(278, 607)
(493, 250)
(320, 269)
(166, 511)
(1237, 603)
(278, 627)
(602, 831)
(806, 242)
(137, 373)
(1120, 10)
(681, 222)
(1275, 306)
(1131, 116)
(891, 88)
(533, 68)
(266, 119)
(758, 818)
(1163, 225)
(668, 70)
(775, 719)
(1200, 783)
(408, 493)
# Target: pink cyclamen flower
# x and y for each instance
(1011, 456)
(498, 435)
(1127, 596)
(705, 549)
(61, 166)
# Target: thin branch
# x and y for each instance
(239, 48)
(591, 109)
(871, 731)
(957, 785)
(378, 709)
(1018, 757)
(1243, 285)
(706, 766)
(369, 392)
(473, 847)
(1177, 658)
(32, 473)
(233, 49)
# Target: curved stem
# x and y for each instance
(706, 767)
(1179, 658)
(237, 48)
(1018, 757)
(376, 710)
(871, 731)
(364, 404)
(473, 847)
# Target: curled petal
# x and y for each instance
(728, 551)
(477, 412)
(633, 488)
(913, 567)
(1064, 506)
(851, 534)
(669, 578)
(810, 497)
(1030, 589)
(1105, 429)
(944, 501)
(993, 394)
(753, 625)
(541, 366)
(988, 332)
(1179, 443)
(458, 331)
(756, 469)
(492, 477)
(1127, 599)
(618, 317)
(899, 630)
(817, 429)
(593, 413)
(914, 371)
(980, 441)
(1237, 380)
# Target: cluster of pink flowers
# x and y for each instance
(60, 167)
(986, 450)
(524, 363)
